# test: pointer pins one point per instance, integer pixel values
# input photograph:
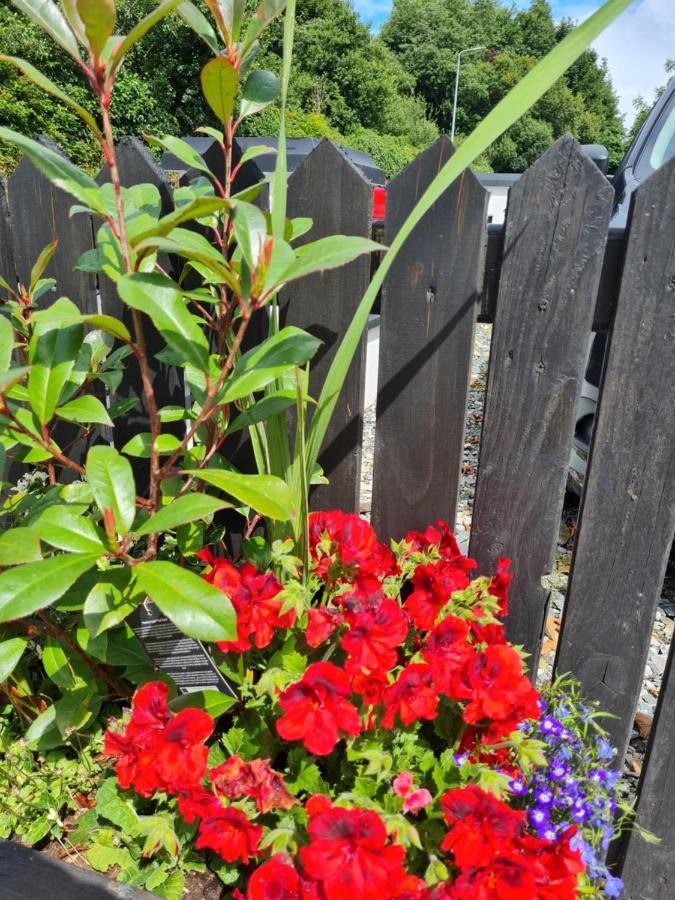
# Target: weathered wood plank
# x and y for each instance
(555, 234)
(628, 507)
(429, 305)
(39, 214)
(328, 188)
(26, 874)
(136, 166)
(648, 870)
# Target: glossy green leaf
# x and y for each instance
(25, 589)
(199, 24)
(98, 19)
(215, 703)
(260, 366)
(182, 151)
(184, 509)
(60, 527)
(250, 231)
(6, 343)
(196, 607)
(58, 169)
(19, 545)
(266, 12)
(193, 247)
(52, 355)
(11, 377)
(11, 652)
(49, 17)
(114, 597)
(162, 300)
(41, 263)
(110, 325)
(328, 253)
(266, 494)
(519, 99)
(112, 482)
(65, 671)
(85, 410)
(261, 89)
(270, 405)
(220, 80)
(69, 8)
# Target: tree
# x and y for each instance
(643, 108)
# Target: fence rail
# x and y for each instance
(545, 281)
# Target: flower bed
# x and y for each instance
(387, 743)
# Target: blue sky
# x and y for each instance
(636, 45)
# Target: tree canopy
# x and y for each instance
(389, 95)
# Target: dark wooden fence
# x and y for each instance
(545, 282)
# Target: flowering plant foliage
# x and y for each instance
(388, 742)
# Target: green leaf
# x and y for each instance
(11, 377)
(266, 494)
(215, 703)
(286, 349)
(19, 545)
(11, 652)
(197, 608)
(199, 24)
(328, 253)
(139, 445)
(114, 597)
(112, 482)
(27, 588)
(67, 673)
(52, 355)
(110, 805)
(98, 18)
(270, 405)
(110, 325)
(519, 99)
(49, 17)
(182, 151)
(65, 529)
(219, 80)
(173, 888)
(163, 302)
(101, 858)
(266, 12)
(41, 263)
(6, 343)
(250, 231)
(184, 509)
(196, 249)
(59, 170)
(140, 30)
(86, 410)
(261, 89)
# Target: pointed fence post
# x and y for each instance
(627, 517)
(554, 239)
(429, 305)
(329, 189)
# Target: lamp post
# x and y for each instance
(454, 105)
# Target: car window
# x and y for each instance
(660, 145)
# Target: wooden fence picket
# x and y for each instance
(429, 305)
(555, 233)
(627, 516)
(648, 870)
(329, 189)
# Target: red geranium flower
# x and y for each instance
(500, 583)
(236, 778)
(320, 624)
(496, 688)
(373, 637)
(275, 879)
(412, 696)
(507, 877)
(554, 866)
(349, 856)
(481, 826)
(370, 685)
(447, 649)
(229, 834)
(257, 600)
(317, 710)
(434, 585)
(343, 545)
(439, 537)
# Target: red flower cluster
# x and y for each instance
(257, 599)
(433, 585)
(344, 546)
(496, 857)
(159, 751)
(317, 710)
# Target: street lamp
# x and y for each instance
(454, 105)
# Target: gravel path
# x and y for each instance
(557, 580)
